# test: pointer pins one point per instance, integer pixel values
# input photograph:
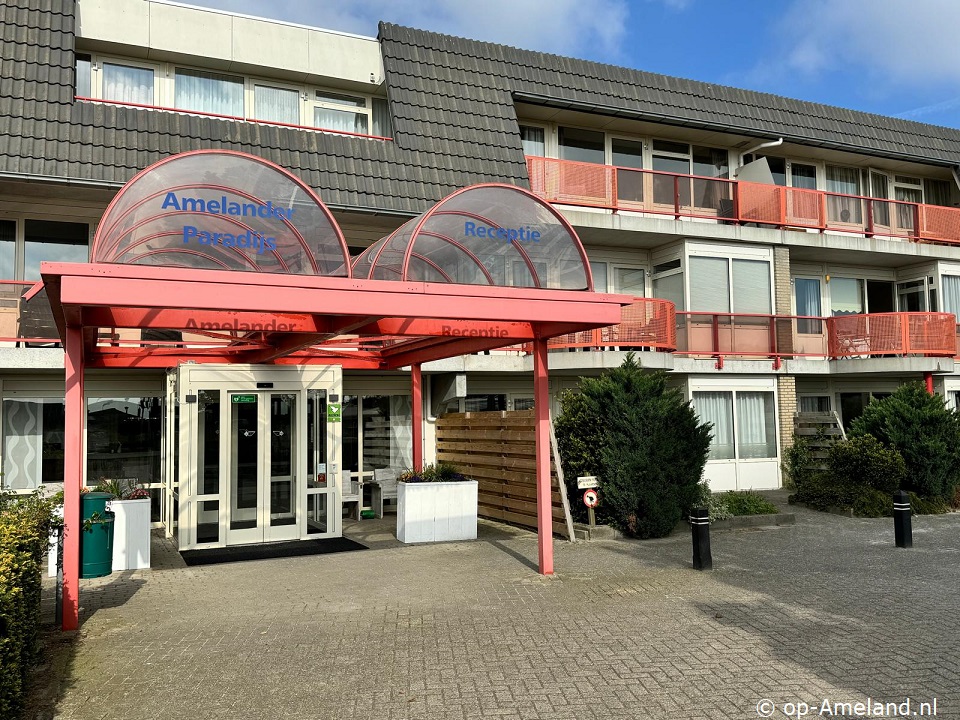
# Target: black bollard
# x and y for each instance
(700, 528)
(902, 526)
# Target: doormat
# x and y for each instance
(269, 551)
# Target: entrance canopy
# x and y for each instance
(487, 234)
(221, 210)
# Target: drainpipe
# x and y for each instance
(928, 379)
(772, 143)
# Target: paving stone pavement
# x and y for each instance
(825, 609)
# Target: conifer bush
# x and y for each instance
(924, 431)
(642, 439)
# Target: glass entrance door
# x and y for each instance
(262, 479)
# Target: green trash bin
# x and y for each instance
(96, 537)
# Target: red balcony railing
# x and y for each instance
(647, 323)
(652, 323)
(651, 191)
(902, 333)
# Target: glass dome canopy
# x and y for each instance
(489, 234)
(223, 210)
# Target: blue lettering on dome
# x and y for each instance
(510, 235)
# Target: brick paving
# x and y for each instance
(827, 608)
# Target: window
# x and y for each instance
(384, 437)
(83, 84)
(382, 124)
(845, 181)
(807, 301)
(668, 282)
(711, 281)
(744, 423)
(275, 104)
(53, 241)
(124, 443)
(627, 155)
(846, 296)
(599, 272)
(532, 139)
(629, 281)
(32, 442)
(814, 403)
(484, 403)
(8, 248)
(334, 111)
(683, 159)
(581, 145)
(208, 92)
(936, 192)
(128, 83)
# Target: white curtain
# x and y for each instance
(209, 92)
(847, 182)
(950, 292)
(717, 408)
(276, 104)
(128, 84)
(340, 120)
(757, 437)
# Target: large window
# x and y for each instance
(744, 423)
(377, 433)
(127, 83)
(581, 145)
(124, 443)
(208, 92)
(845, 181)
(684, 159)
(204, 91)
(712, 279)
(53, 241)
(335, 111)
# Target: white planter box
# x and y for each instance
(435, 512)
(131, 534)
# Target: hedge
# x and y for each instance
(24, 530)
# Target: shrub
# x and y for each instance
(439, 472)
(924, 431)
(748, 502)
(864, 461)
(580, 439)
(644, 442)
(24, 528)
(798, 463)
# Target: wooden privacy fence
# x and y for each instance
(497, 449)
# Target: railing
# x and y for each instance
(647, 323)
(654, 324)
(650, 191)
(902, 333)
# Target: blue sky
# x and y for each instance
(893, 57)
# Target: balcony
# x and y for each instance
(654, 324)
(689, 196)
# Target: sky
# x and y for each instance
(893, 57)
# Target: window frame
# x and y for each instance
(96, 76)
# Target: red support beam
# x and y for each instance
(416, 384)
(541, 398)
(74, 417)
(928, 381)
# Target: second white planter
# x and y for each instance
(131, 534)
(436, 512)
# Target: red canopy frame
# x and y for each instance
(276, 318)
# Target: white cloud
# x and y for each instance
(568, 27)
(895, 43)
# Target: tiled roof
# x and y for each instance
(452, 102)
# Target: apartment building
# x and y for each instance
(782, 256)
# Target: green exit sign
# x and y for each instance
(243, 399)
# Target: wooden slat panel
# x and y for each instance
(498, 449)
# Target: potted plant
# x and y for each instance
(436, 504)
(131, 535)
